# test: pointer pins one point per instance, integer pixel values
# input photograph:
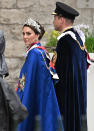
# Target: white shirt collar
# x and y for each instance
(34, 46)
(67, 33)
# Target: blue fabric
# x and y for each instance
(71, 90)
(38, 95)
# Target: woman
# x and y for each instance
(35, 87)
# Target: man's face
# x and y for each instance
(57, 23)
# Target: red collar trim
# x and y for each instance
(41, 47)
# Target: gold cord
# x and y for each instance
(81, 47)
(44, 60)
(46, 63)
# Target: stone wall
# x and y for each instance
(13, 13)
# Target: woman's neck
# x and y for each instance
(32, 45)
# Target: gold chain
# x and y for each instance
(46, 63)
(44, 60)
(81, 47)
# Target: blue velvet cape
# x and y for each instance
(71, 91)
(37, 93)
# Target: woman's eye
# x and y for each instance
(28, 33)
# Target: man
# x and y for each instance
(71, 67)
(12, 111)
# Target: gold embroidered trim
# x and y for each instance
(54, 58)
(44, 60)
(81, 47)
(46, 63)
(22, 83)
(67, 28)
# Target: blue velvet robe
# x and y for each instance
(71, 90)
(37, 93)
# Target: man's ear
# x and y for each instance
(62, 20)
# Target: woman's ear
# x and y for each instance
(38, 36)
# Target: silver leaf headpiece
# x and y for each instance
(33, 23)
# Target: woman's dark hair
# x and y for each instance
(36, 31)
